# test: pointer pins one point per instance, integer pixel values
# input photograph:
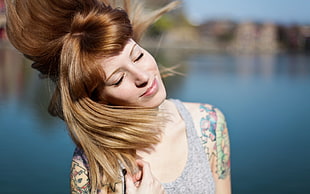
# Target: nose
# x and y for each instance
(141, 77)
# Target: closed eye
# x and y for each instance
(139, 57)
(119, 81)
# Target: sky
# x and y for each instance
(277, 11)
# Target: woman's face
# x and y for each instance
(132, 78)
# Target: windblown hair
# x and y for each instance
(65, 39)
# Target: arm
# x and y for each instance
(79, 180)
(221, 161)
(211, 127)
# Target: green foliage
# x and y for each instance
(166, 23)
(160, 26)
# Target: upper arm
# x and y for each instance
(79, 179)
(222, 148)
(212, 129)
(221, 169)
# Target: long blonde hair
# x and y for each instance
(65, 39)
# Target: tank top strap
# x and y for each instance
(186, 116)
(196, 176)
(190, 129)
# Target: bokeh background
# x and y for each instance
(251, 59)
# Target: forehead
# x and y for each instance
(124, 53)
(109, 64)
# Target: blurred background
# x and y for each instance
(251, 59)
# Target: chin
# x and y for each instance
(157, 100)
(162, 95)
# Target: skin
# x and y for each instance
(79, 178)
(148, 184)
(129, 76)
(132, 78)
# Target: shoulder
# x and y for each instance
(79, 175)
(206, 117)
(200, 109)
(211, 127)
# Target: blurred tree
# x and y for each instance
(169, 21)
(165, 23)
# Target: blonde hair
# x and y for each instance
(65, 39)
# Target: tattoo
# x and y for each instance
(79, 179)
(222, 147)
(208, 127)
(213, 129)
(208, 124)
(80, 183)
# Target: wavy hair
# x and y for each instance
(65, 39)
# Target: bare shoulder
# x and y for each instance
(200, 113)
(211, 127)
(196, 108)
(204, 118)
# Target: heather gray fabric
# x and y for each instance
(196, 177)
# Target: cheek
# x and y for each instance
(152, 65)
(122, 93)
(151, 68)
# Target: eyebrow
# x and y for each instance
(132, 49)
(116, 70)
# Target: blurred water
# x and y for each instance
(266, 102)
(264, 97)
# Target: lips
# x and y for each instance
(152, 89)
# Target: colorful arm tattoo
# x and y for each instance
(79, 179)
(80, 182)
(213, 129)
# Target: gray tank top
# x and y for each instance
(196, 177)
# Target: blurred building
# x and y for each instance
(245, 37)
(267, 38)
(252, 37)
(222, 30)
(295, 38)
(305, 33)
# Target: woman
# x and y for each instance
(109, 92)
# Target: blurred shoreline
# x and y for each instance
(228, 36)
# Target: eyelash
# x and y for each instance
(140, 56)
(119, 81)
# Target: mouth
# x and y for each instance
(152, 89)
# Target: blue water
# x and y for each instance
(265, 99)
